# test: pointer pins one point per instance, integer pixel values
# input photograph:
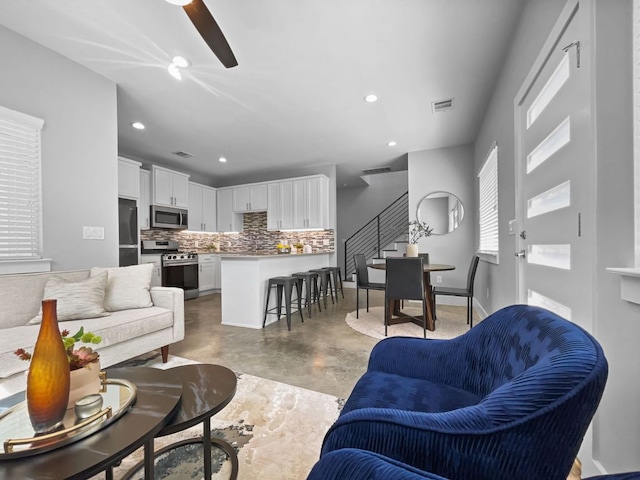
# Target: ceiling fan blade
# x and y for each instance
(210, 31)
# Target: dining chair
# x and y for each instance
(405, 281)
(362, 280)
(460, 292)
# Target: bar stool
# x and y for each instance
(309, 278)
(336, 279)
(287, 284)
(325, 283)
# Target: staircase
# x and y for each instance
(383, 236)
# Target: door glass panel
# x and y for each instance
(555, 82)
(538, 300)
(557, 256)
(550, 145)
(553, 199)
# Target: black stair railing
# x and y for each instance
(386, 227)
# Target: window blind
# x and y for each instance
(20, 203)
(488, 218)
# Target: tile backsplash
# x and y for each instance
(254, 238)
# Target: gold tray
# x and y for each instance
(18, 438)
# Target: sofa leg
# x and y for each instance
(165, 353)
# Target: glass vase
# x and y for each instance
(48, 377)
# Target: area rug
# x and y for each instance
(276, 429)
(451, 322)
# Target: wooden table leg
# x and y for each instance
(431, 325)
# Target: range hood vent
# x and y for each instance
(442, 105)
(373, 171)
(182, 154)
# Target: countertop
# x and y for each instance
(244, 255)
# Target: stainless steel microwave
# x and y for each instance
(169, 217)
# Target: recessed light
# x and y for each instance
(181, 61)
(174, 71)
(182, 3)
(391, 144)
(138, 125)
(370, 98)
(222, 160)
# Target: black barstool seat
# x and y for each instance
(325, 283)
(336, 280)
(310, 278)
(286, 285)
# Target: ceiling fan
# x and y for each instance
(208, 28)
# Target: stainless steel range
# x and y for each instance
(179, 269)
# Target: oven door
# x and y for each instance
(182, 276)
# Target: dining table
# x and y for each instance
(427, 269)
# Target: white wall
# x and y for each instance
(451, 170)
(616, 427)
(79, 148)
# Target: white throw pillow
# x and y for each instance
(127, 287)
(76, 300)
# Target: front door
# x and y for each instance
(554, 175)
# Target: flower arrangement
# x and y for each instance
(417, 230)
(78, 357)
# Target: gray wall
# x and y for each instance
(79, 148)
(616, 427)
(451, 170)
(358, 205)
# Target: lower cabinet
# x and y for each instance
(156, 275)
(209, 272)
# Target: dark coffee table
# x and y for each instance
(158, 397)
(206, 389)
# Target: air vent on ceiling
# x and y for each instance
(373, 171)
(182, 154)
(442, 105)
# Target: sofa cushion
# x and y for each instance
(385, 390)
(114, 329)
(75, 300)
(127, 287)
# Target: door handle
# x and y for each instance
(521, 253)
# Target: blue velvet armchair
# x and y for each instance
(510, 399)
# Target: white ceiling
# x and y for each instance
(296, 97)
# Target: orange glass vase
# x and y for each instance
(48, 377)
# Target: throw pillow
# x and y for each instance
(127, 287)
(76, 300)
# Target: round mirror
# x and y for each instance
(442, 211)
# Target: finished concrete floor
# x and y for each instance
(322, 354)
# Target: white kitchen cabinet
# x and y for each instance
(128, 178)
(209, 272)
(202, 208)
(156, 275)
(227, 219)
(311, 202)
(169, 188)
(250, 198)
(280, 205)
(144, 202)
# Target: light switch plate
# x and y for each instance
(512, 227)
(93, 233)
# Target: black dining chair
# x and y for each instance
(405, 281)
(460, 292)
(362, 280)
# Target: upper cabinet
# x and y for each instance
(144, 202)
(250, 198)
(128, 178)
(202, 208)
(280, 205)
(228, 220)
(311, 202)
(169, 188)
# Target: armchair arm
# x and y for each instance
(442, 361)
(171, 298)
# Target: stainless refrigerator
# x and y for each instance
(128, 231)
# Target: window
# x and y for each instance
(20, 202)
(488, 217)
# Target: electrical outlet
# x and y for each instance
(438, 278)
(325, 242)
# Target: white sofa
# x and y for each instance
(125, 333)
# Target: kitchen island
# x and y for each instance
(245, 278)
